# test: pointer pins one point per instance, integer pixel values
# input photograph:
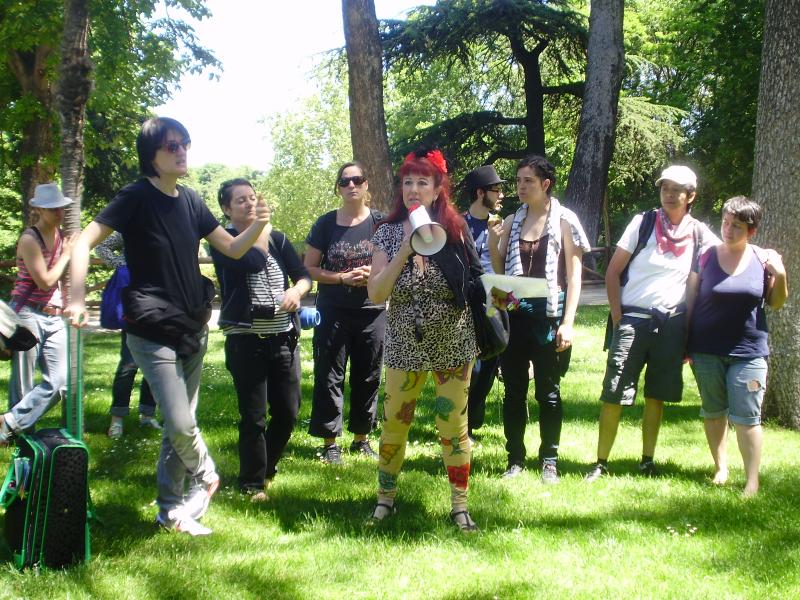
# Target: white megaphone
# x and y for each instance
(427, 237)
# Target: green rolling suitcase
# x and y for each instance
(46, 491)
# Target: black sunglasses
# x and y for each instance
(357, 180)
(172, 146)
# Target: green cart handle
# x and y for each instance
(10, 490)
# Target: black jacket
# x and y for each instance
(156, 319)
(461, 268)
(232, 276)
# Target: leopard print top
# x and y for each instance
(448, 333)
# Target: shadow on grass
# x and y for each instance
(755, 540)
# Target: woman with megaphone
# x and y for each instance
(423, 263)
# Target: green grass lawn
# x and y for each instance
(675, 536)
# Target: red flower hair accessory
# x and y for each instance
(435, 157)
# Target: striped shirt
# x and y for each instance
(266, 289)
(513, 264)
(25, 287)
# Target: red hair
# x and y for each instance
(442, 210)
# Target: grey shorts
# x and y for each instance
(731, 386)
(634, 345)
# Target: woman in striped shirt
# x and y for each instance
(261, 327)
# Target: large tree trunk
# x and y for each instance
(367, 119)
(776, 185)
(38, 140)
(534, 92)
(595, 145)
(74, 87)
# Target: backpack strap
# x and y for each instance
(697, 240)
(329, 221)
(762, 257)
(703, 259)
(645, 231)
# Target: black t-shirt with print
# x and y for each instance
(343, 248)
(161, 235)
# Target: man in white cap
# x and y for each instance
(646, 285)
(484, 187)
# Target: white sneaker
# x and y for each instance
(115, 429)
(149, 421)
(182, 524)
(199, 498)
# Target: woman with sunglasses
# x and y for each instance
(43, 252)
(338, 257)
(166, 306)
(430, 329)
(261, 326)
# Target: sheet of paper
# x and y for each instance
(521, 287)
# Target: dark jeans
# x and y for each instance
(524, 346)
(123, 385)
(483, 374)
(266, 371)
(357, 335)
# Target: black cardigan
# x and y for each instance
(461, 268)
(232, 276)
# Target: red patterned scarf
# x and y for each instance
(673, 238)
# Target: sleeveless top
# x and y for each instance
(729, 317)
(25, 286)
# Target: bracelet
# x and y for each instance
(341, 279)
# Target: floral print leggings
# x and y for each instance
(403, 389)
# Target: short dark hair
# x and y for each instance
(745, 210)
(150, 139)
(543, 168)
(225, 192)
(473, 194)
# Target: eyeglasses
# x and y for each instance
(496, 190)
(357, 180)
(172, 146)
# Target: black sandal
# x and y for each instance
(463, 521)
(386, 511)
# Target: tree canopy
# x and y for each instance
(521, 42)
(139, 55)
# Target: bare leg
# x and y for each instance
(651, 424)
(750, 442)
(717, 436)
(609, 424)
